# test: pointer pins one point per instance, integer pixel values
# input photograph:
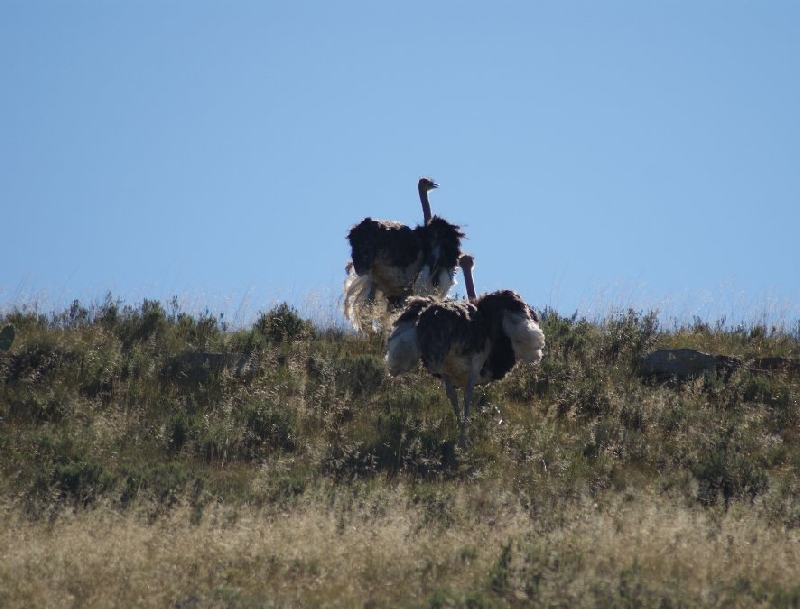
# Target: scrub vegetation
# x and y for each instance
(149, 457)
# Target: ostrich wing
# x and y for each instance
(392, 243)
(442, 243)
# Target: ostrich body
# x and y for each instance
(465, 343)
(391, 261)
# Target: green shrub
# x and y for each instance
(283, 324)
(165, 483)
(80, 483)
(7, 335)
(268, 427)
(630, 334)
(361, 375)
(500, 576)
(725, 475)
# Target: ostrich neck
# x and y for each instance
(426, 207)
(468, 282)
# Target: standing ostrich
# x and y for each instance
(391, 261)
(465, 343)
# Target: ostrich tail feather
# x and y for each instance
(358, 306)
(527, 338)
(402, 349)
(437, 284)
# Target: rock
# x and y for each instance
(775, 363)
(683, 364)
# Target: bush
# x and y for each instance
(630, 334)
(268, 427)
(724, 475)
(283, 324)
(362, 375)
(7, 335)
(139, 326)
(80, 483)
(164, 483)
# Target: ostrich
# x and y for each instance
(465, 343)
(391, 261)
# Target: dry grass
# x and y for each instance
(378, 546)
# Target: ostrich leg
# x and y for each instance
(468, 392)
(453, 397)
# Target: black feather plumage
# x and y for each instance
(465, 343)
(391, 262)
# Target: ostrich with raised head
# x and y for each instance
(465, 343)
(391, 261)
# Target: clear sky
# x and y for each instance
(599, 154)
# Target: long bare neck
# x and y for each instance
(426, 207)
(466, 266)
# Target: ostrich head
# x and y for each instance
(424, 185)
(467, 263)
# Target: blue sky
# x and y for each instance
(599, 154)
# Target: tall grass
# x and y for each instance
(154, 457)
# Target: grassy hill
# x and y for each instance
(154, 458)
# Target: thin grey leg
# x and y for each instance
(452, 396)
(468, 391)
